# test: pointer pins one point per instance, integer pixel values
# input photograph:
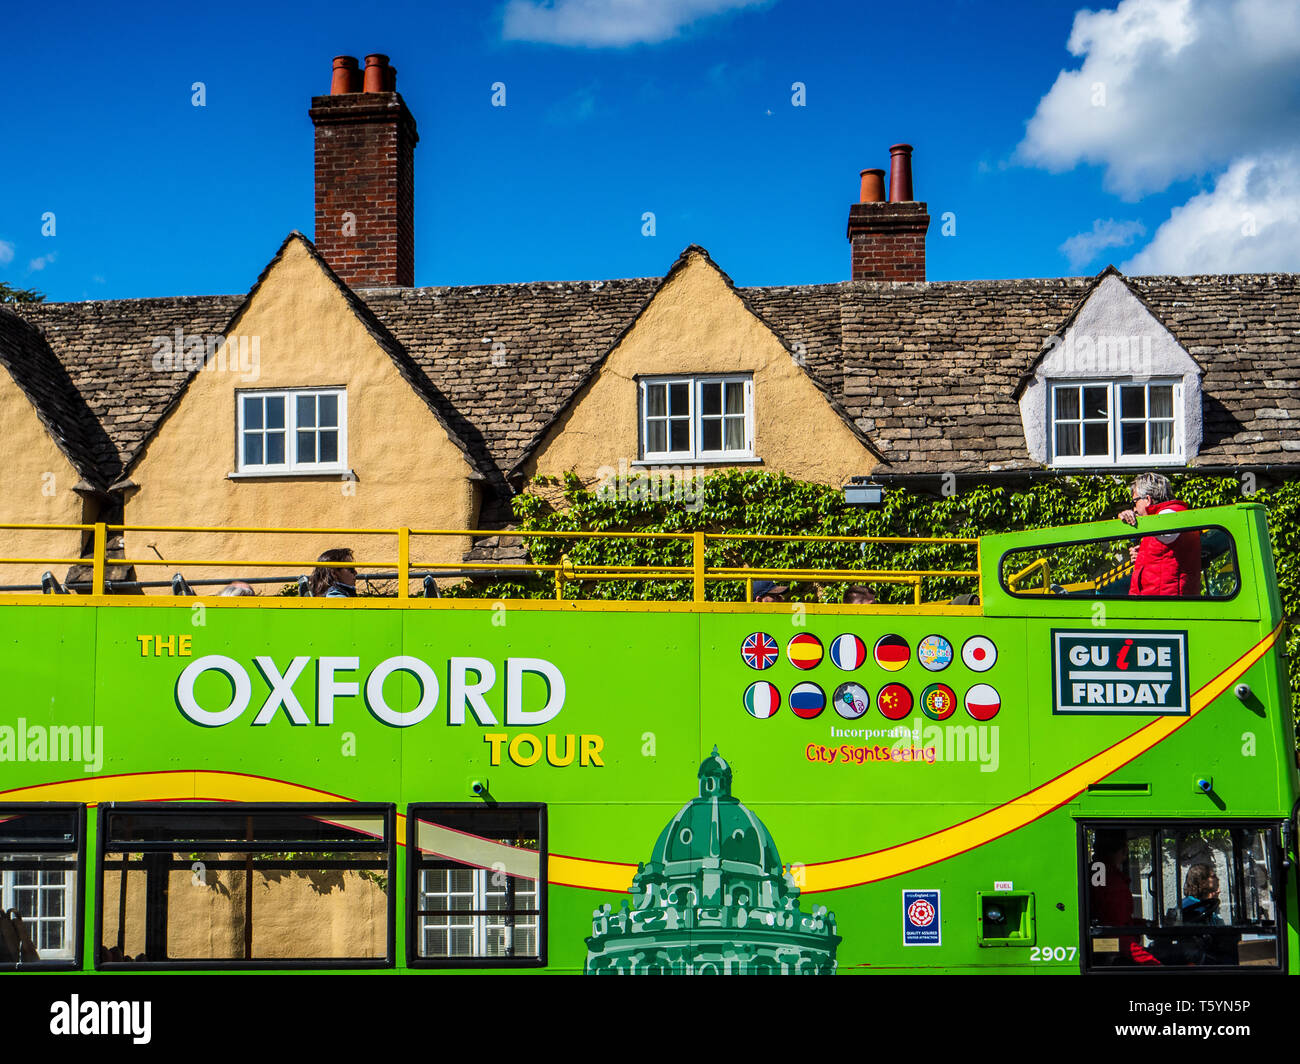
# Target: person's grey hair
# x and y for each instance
(1154, 487)
(236, 589)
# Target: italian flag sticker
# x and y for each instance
(762, 699)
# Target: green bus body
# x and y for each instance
(868, 826)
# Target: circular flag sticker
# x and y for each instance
(934, 652)
(852, 700)
(804, 651)
(978, 653)
(760, 651)
(848, 652)
(938, 701)
(807, 700)
(894, 701)
(892, 652)
(762, 699)
(982, 702)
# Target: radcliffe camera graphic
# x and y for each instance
(714, 899)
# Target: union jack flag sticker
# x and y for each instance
(760, 651)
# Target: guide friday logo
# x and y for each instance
(1139, 673)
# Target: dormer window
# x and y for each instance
(298, 431)
(1116, 423)
(697, 418)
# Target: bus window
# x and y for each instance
(234, 886)
(1181, 896)
(1196, 563)
(40, 876)
(478, 884)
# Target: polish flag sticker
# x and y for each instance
(983, 702)
(978, 653)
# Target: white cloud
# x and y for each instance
(1171, 89)
(609, 23)
(1082, 248)
(41, 262)
(6, 253)
(1248, 223)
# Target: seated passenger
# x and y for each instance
(769, 591)
(1200, 907)
(1162, 564)
(1112, 893)
(236, 588)
(334, 581)
(859, 595)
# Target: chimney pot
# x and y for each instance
(347, 76)
(900, 173)
(873, 186)
(376, 76)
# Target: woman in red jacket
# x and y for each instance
(1162, 564)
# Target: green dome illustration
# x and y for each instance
(714, 898)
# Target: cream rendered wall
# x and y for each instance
(408, 471)
(35, 488)
(697, 324)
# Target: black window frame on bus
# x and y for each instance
(323, 810)
(415, 864)
(77, 846)
(1124, 596)
(1153, 826)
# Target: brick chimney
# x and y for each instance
(888, 238)
(365, 176)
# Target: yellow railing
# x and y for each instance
(563, 572)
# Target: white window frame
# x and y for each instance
(1113, 457)
(291, 465)
(68, 888)
(695, 452)
(478, 926)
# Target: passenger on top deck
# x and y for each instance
(332, 581)
(1162, 564)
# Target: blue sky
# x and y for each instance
(1185, 163)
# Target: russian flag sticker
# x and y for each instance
(807, 700)
(983, 702)
(892, 652)
(978, 653)
(804, 651)
(848, 652)
(762, 699)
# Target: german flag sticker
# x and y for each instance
(894, 701)
(762, 699)
(804, 651)
(892, 652)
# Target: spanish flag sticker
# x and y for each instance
(892, 652)
(804, 651)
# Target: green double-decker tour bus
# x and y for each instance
(1048, 773)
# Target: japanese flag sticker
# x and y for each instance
(978, 653)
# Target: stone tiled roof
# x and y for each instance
(927, 373)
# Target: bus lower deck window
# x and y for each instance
(40, 854)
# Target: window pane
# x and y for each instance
(1067, 404)
(252, 448)
(1067, 441)
(735, 434)
(1133, 438)
(1096, 403)
(712, 429)
(252, 413)
(656, 437)
(1162, 437)
(656, 400)
(1162, 400)
(306, 411)
(307, 447)
(1133, 401)
(328, 409)
(275, 448)
(1096, 439)
(711, 396)
(681, 434)
(275, 412)
(735, 397)
(680, 398)
(329, 446)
